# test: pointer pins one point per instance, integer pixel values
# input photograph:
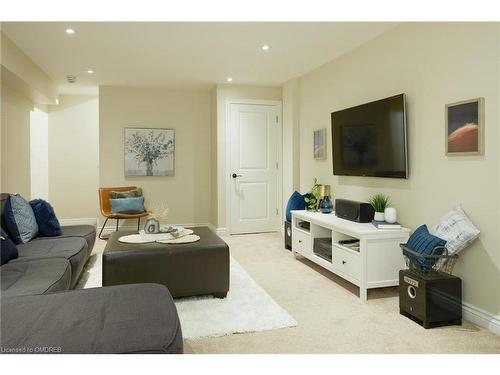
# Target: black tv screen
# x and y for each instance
(370, 139)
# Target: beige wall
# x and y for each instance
(213, 157)
(225, 92)
(433, 64)
(187, 193)
(74, 156)
(16, 175)
(23, 84)
(23, 74)
(291, 141)
(39, 152)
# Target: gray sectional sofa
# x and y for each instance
(138, 318)
(40, 313)
(47, 264)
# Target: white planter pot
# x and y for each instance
(390, 215)
(379, 216)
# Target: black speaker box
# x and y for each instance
(288, 235)
(430, 300)
(360, 212)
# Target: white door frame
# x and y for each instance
(227, 179)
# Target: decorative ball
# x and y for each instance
(390, 215)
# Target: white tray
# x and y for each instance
(147, 238)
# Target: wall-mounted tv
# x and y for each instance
(370, 139)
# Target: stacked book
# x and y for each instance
(386, 225)
(352, 244)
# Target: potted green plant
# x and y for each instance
(312, 197)
(379, 203)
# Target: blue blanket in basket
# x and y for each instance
(424, 243)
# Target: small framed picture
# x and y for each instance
(319, 150)
(465, 127)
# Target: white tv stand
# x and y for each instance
(375, 265)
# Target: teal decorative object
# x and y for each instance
(326, 206)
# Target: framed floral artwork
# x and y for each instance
(149, 151)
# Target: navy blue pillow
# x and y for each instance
(296, 202)
(7, 248)
(421, 241)
(48, 225)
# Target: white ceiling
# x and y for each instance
(185, 54)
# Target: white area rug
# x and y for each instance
(247, 307)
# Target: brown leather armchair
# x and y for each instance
(105, 206)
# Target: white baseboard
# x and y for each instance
(481, 318)
(221, 231)
(80, 221)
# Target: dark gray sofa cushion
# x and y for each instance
(139, 318)
(73, 249)
(35, 276)
(85, 231)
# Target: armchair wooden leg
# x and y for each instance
(138, 223)
(102, 228)
(117, 221)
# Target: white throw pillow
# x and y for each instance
(457, 229)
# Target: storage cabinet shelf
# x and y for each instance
(375, 264)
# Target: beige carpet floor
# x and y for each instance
(330, 317)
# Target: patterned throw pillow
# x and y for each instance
(134, 193)
(457, 229)
(20, 219)
(421, 241)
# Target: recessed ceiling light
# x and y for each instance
(265, 47)
(229, 79)
(70, 31)
(90, 71)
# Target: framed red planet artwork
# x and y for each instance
(465, 128)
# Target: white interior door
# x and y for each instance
(254, 156)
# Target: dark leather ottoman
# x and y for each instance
(190, 269)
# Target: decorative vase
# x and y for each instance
(149, 167)
(326, 205)
(152, 226)
(390, 215)
(379, 216)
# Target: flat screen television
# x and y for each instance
(370, 139)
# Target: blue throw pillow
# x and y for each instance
(127, 205)
(296, 202)
(48, 225)
(20, 219)
(421, 241)
(7, 248)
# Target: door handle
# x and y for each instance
(234, 175)
(344, 262)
